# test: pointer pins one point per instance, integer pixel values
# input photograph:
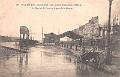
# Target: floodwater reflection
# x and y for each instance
(23, 63)
(46, 62)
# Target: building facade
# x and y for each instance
(51, 38)
(90, 29)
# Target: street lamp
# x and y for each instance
(109, 53)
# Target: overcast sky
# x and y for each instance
(58, 21)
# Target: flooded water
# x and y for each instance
(46, 62)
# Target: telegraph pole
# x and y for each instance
(42, 34)
(109, 53)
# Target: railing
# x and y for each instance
(8, 51)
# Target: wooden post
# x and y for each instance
(76, 47)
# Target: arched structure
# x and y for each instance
(24, 32)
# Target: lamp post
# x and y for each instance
(109, 53)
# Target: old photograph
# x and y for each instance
(59, 38)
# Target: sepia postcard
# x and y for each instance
(59, 38)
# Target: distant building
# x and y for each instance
(116, 30)
(90, 29)
(70, 37)
(65, 39)
(8, 39)
(51, 38)
(115, 37)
